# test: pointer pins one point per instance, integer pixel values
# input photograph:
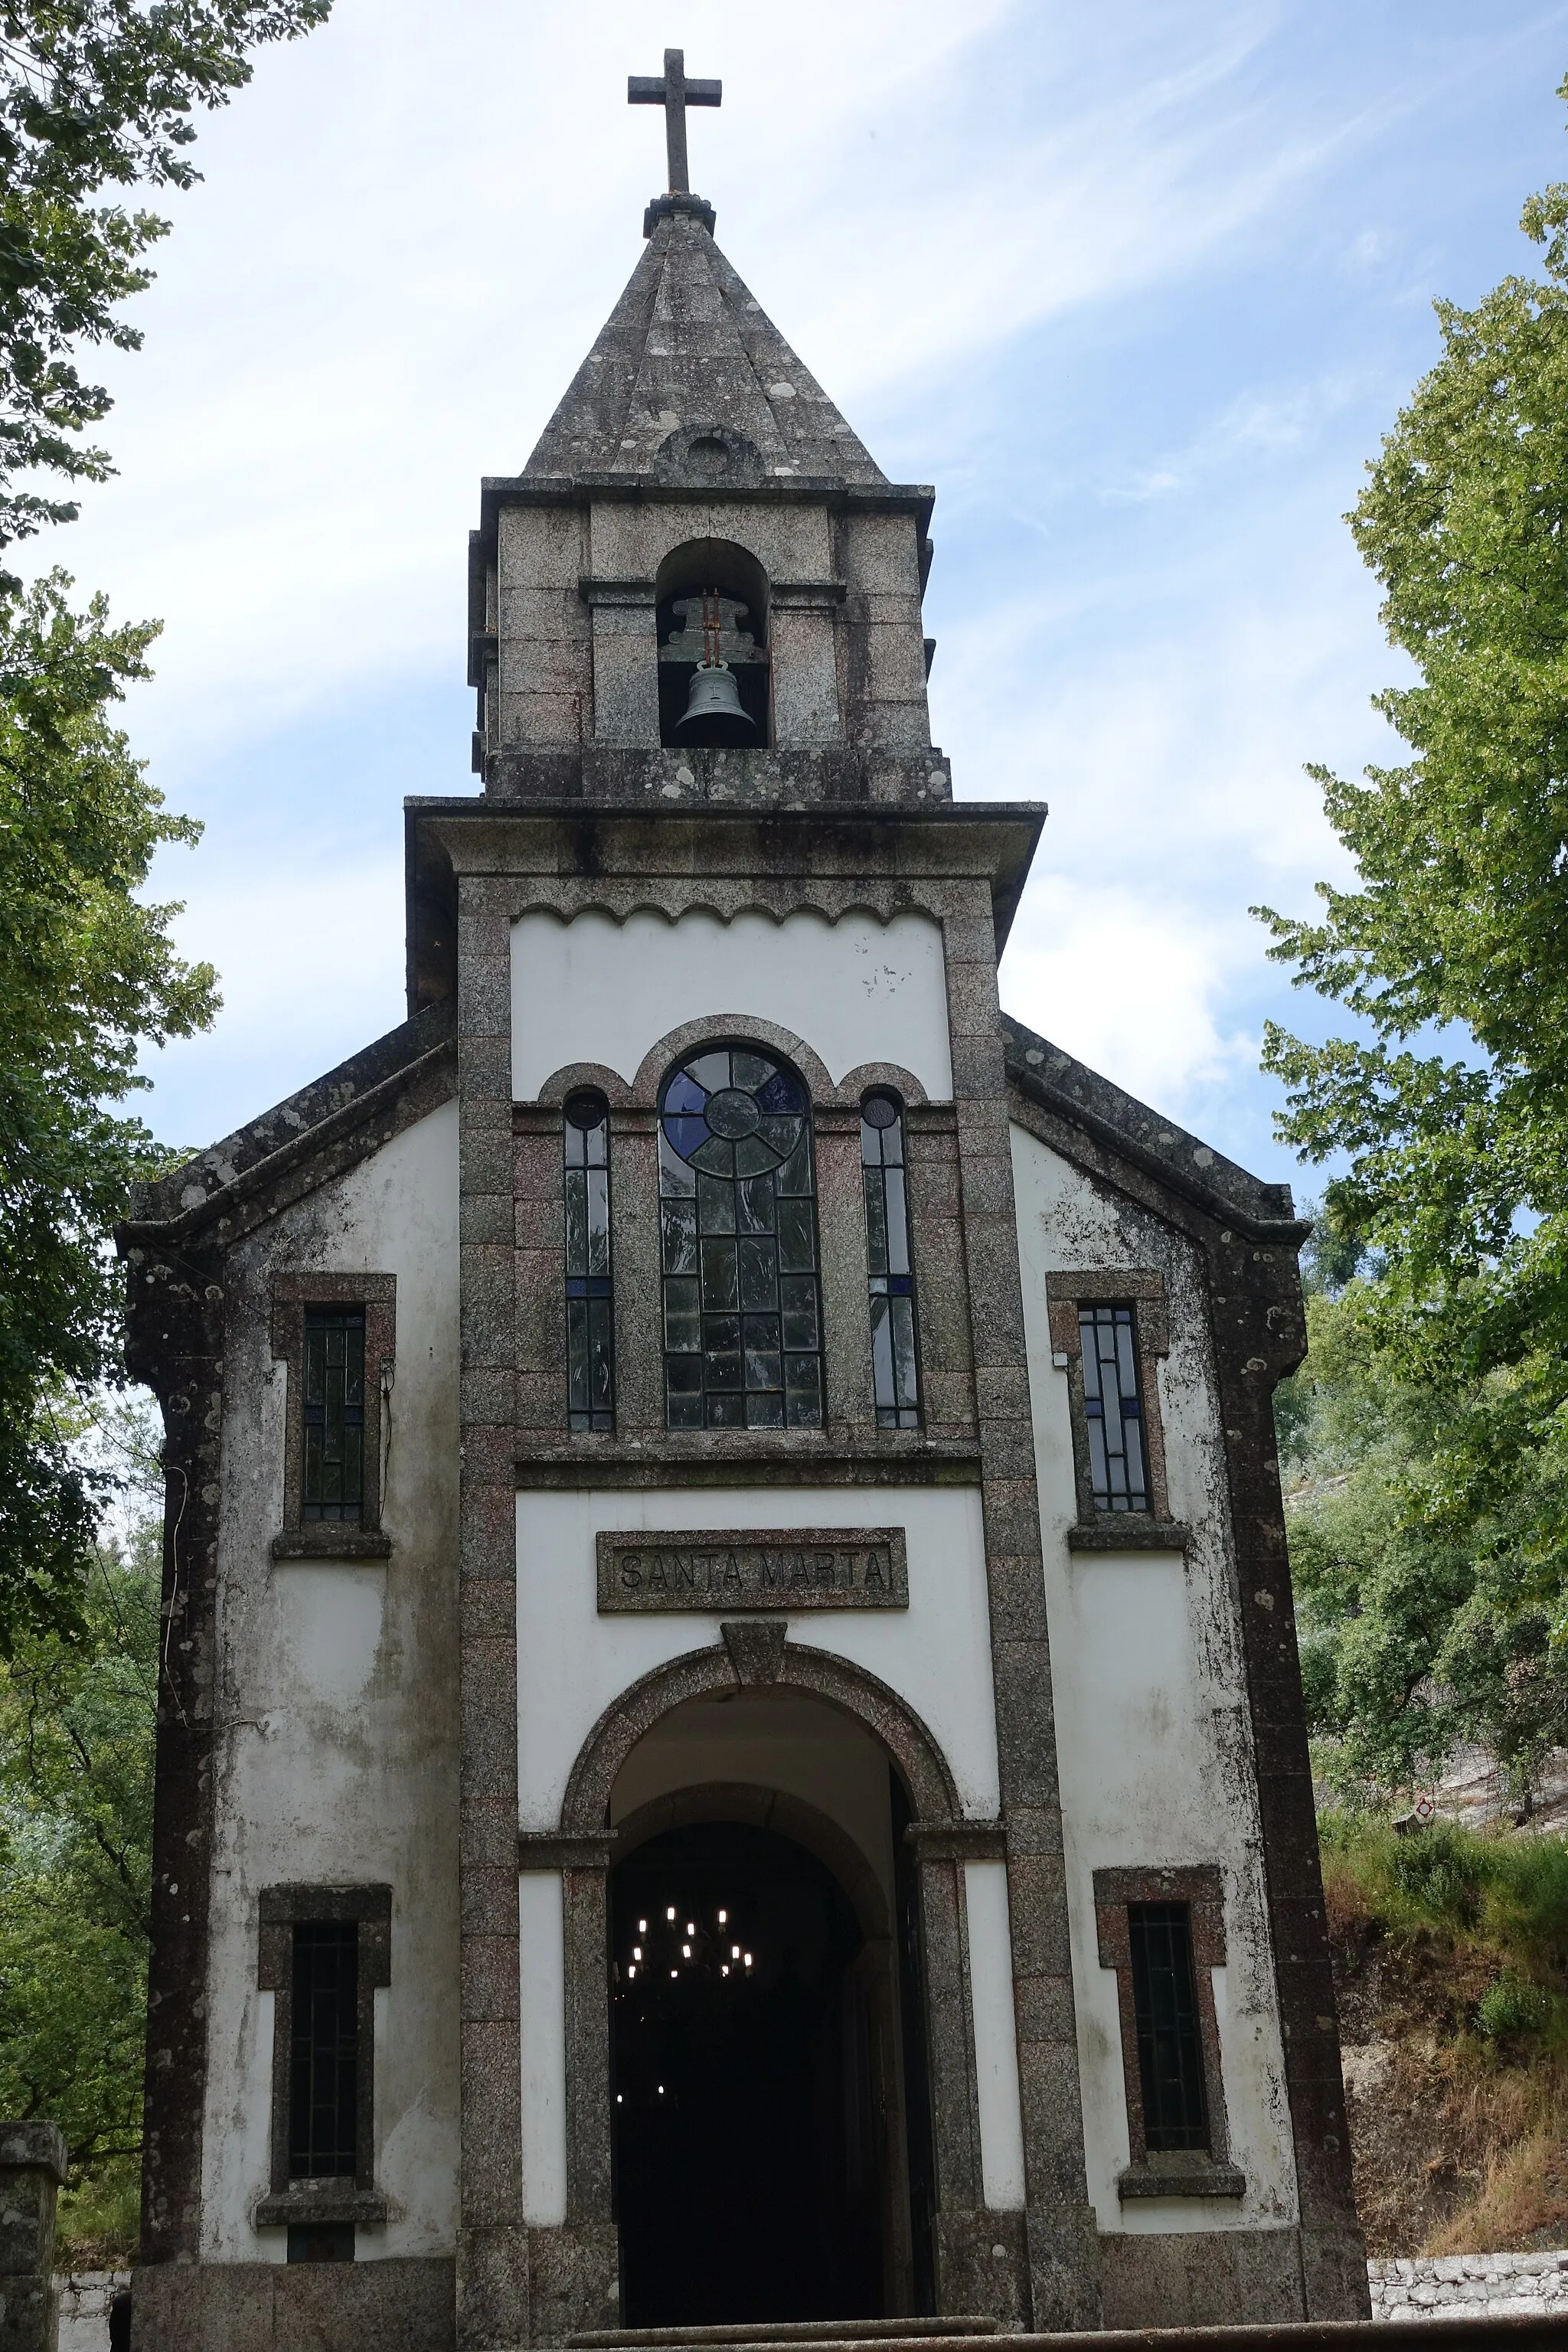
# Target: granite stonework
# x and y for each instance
(1249, 1240)
(693, 441)
(32, 2174)
(830, 1568)
(1471, 2286)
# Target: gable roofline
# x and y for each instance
(336, 1120)
(1043, 1075)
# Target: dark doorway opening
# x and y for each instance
(746, 2168)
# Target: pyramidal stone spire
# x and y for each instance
(687, 349)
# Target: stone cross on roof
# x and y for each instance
(671, 91)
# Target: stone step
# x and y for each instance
(786, 2331)
(1483, 2333)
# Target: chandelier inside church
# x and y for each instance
(685, 1944)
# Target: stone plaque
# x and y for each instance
(730, 1568)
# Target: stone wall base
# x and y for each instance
(401, 2306)
(983, 2265)
(1471, 2286)
(1186, 2279)
(1210, 2278)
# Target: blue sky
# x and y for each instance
(1138, 287)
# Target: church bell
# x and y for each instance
(713, 714)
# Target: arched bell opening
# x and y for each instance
(712, 597)
(769, 2098)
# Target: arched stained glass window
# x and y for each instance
(742, 1323)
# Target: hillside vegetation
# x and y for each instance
(1451, 1960)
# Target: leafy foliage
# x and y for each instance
(87, 973)
(1417, 1630)
(1452, 950)
(77, 1721)
(94, 93)
(1504, 1898)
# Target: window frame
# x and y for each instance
(1170, 2172)
(893, 1414)
(292, 1294)
(589, 1419)
(1143, 1290)
(330, 2199)
(706, 1426)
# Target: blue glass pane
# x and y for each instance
(740, 1121)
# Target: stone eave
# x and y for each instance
(993, 839)
(1042, 1074)
(301, 1142)
(498, 490)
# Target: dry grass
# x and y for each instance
(1451, 1957)
(1514, 2122)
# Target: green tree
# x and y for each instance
(94, 94)
(1415, 1635)
(87, 973)
(76, 1721)
(1451, 1105)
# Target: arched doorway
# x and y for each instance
(759, 1731)
(746, 2144)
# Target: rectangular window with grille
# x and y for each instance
(1113, 1407)
(324, 2086)
(1170, 2042)
(894, 1363)
(590, 1306)
(333, 1483)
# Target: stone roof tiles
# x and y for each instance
(688, 345)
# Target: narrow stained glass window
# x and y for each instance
(1169, 2045)
(1113, 1404)
(324, 2085)
(742, 1325)
(894, 1366)
(590, 1333)
(334, 1412)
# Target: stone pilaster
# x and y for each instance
(492, 2276)
(1062, 2246)
(32, 2174)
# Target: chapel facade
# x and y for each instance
(730, 1746)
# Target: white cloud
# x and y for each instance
(396, 263)
(415, 223)
(1128, 984)
(310, 968)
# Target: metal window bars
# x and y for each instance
(1114, 1405)
(1170, 2043)
(324, 2086)
(334, 1413)
(590, 1309)
(895, 1364)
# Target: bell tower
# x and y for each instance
(700, 587)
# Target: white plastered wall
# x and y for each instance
(1153, 1741)
(783, 1741)
(856, 991)
(337, 1746)
(573, 1664)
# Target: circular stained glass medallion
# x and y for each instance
(732, 1112)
